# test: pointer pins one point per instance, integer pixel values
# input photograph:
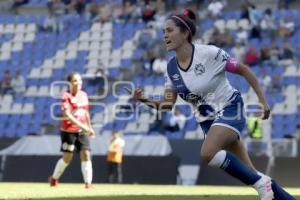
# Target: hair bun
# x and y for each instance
(189, 13)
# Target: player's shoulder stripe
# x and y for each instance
(172, 62)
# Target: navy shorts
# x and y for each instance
(231, 116)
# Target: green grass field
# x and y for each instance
(127, 192)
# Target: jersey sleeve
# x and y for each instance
(223, 60)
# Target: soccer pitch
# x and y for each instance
(127, 192)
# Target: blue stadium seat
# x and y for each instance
(148, 80)
(2, 127)
(10, 130)
(277, 131)
(110, 99)
(126, 63)
(4, 118)
(26, 119)
(138, 81)
(191, 125)
(22, 130)
(159, 80)
(119, 125)
(14, 118)
(108, 127)
(207, 24)
(114, 72)
(289, 80)
(232, 15)
(117, 43)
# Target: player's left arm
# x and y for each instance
(233, 66)
(88, 118)
(245, 71)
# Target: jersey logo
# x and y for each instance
(176, 77)
(224, 55)
(199, 69)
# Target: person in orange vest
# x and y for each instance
(115, 157)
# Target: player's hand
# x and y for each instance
(137, 94)
(92, 133)
(266, 111)
(85, 129)
(88, 131)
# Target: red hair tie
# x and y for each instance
(185, 13)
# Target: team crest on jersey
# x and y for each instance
(192, 98)
(199, 69)
(73, 100)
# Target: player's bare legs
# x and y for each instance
(85, 155)
(216, 140)
(220, 137)
(86, 167)
(60, 167)
(67, 157)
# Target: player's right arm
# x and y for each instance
(67, 114)
(166, 104)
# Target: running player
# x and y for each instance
(197, 75)
(75, 131)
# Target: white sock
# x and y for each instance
(87, 171)
(59, 168)
(218, 159)
(260, 174)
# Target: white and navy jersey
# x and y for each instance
(205, 77)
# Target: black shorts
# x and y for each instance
(72, 141)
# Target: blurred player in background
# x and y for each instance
(197, 74)
(75, 131)
(115, 158)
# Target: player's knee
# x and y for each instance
(68, 158)
(85, 155)
(207, 155)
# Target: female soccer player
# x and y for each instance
(197, 75)
(75, 131)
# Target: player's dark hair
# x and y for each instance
(185, 25)
(71, 75)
